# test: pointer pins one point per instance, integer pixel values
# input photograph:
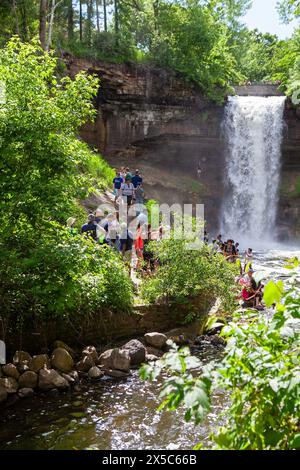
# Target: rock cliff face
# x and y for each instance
(151, 119)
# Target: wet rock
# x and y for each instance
(214, 331)
(157, 340)
(154, 351)
(105, 358)
(74, 375)
(180, 340)
(10, 384)
(136, 350)
(41, 361)
(115, 359)
(3, 394)
(62, 360)
(90, 351)
(25, 392)
(151, 358)
(85, 364)
(61, 345)
(217, 340)
(22, 368)
(10, 370)
(68, 378)
(116, 373)
(53, 392)
(50, 378)
(199, 340)
(28, 380)
(95, 373)
(21, 357)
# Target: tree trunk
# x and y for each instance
(15, 10)
(116, 23)
(89, 21)
(43, 22)
(24, 27)
(70, 20)
(105, 15)
(98, 16)
(51, 21)
(80, 20)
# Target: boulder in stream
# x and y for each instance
(41, 361)
(50, 378)
(115, 359)
(10, 370)
(28, 380)
(136, 350)
(62, 360)
(21, 357)
(85, 364)
(25, 392)
(10, 384)
(95, 373)
(157, 340)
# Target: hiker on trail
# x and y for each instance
(113, 231)
(127, 191)
(139, 245)
(229, 251)
(128, 173)
(136, 179)
(126, 243)
(89, 229)
(117, 181)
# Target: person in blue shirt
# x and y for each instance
(136, 179)
(118, 180)
(90, 228)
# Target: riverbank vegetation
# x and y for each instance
(184, 273)
(205, 40)
(260, 371)
(45, 170)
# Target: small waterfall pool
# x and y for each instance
(121, 414)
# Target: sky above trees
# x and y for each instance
(264, 16)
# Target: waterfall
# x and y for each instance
(253, 128)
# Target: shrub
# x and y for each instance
(185, 273)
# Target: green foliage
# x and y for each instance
(261, 372)
(56, 274)
(254, 52)
(191, 40)
(184, 273)
(44, 170)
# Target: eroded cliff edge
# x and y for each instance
(152, 119)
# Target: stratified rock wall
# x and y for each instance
(151, 119)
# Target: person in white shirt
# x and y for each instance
(127, 191)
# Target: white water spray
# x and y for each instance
(253, 129)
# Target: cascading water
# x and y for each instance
(253, 128)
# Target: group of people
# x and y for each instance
(109, 229)
(128, 187)
(252, 292)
